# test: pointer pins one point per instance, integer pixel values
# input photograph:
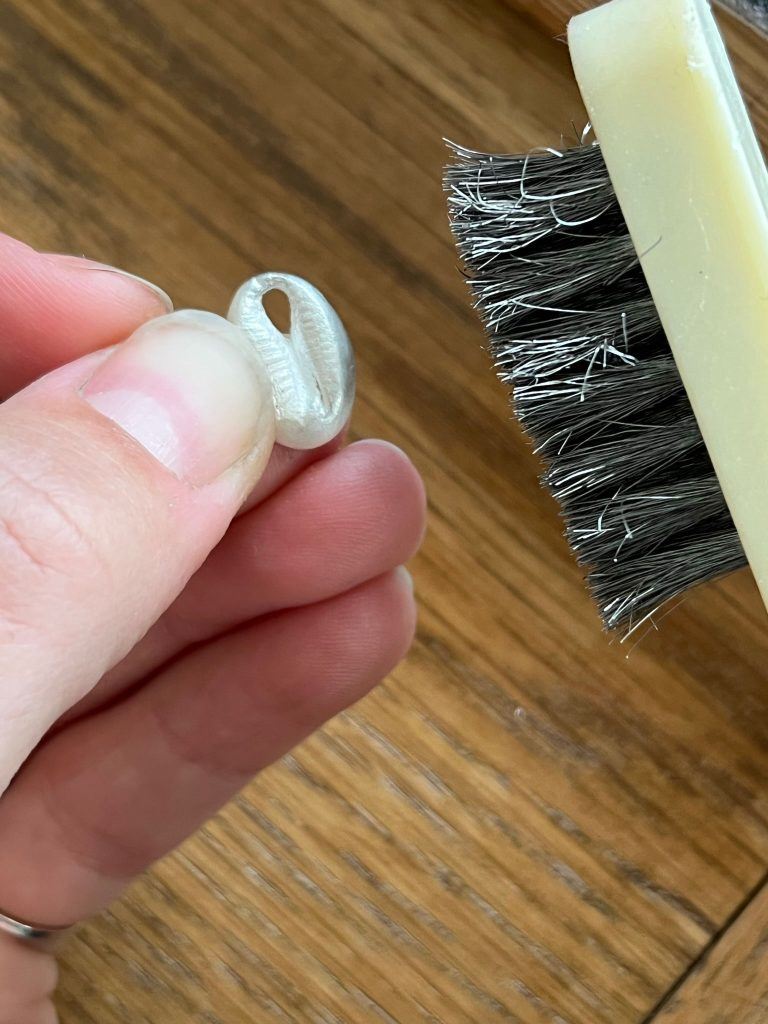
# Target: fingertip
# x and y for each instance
(54, 309)
(385, 450)
(406, 598)
(374, 631)
(390, 455)
(138, 295)
(392, 470)
(405, 579)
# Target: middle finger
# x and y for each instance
(343, 521)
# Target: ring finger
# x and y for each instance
(110, 794)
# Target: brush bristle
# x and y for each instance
(755, 12)
(575, 334)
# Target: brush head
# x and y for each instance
(575, 335)
(755, 12)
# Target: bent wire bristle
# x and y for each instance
(575, 333)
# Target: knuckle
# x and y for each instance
(44, 532)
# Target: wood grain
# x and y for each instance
(747, 47)
(730, 983)
(523, 824)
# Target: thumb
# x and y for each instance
(118, 474)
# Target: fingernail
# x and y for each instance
(379, 442)
(161, 298)
(191, 390)
(405, 578)
(164, 299)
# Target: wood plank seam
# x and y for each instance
(701, 960)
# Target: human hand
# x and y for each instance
(153, 658)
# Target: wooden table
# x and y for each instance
(526, 823)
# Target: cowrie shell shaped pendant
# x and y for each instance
(311, 368)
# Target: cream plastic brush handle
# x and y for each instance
(693, 186)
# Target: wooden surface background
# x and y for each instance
(523, 824)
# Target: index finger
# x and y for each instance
(54, 309)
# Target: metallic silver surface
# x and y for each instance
(44, 939)
(311, 368)
(754, 12)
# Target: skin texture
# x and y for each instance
(270, 598)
